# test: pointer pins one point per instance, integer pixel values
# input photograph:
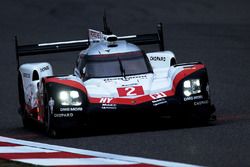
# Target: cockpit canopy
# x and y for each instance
(114, 65)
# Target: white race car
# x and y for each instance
(112, 75)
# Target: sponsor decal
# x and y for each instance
(157, 58)
(44, 68)
(95, 35)
(201, 103)
(31, 95)
(26, 75)
(129, 85)
(158, 95)
(51, 105)
(107, 50)
(72, 109)
(109, 106)
(106, 100)
(63, 115)
(126, 79)
(159, 102)
(190, 98)
(138, 77)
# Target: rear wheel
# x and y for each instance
(21, 92)
(25, 118)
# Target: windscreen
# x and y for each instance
(115, 65)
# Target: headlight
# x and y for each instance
(191, 87)
(70, 98)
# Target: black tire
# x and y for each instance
(202, 115)
(21, 92)
(27, 122)
(49, 127)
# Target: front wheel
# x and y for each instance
(205, 115)
(49, 127)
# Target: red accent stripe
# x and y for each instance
(146, 98)
(185, 73)
(42, 155)
(4, 144)
(67, 83)
(130, 165)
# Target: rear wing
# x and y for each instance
(78, 45)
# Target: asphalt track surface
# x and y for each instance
(214, 32)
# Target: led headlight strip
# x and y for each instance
(70, 98)
(191, 87)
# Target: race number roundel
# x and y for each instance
(130, 91)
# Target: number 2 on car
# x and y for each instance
(130, 91)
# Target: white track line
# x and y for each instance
(24, 149)
(74, 161)
(128, 159)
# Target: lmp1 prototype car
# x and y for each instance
(112, 75)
